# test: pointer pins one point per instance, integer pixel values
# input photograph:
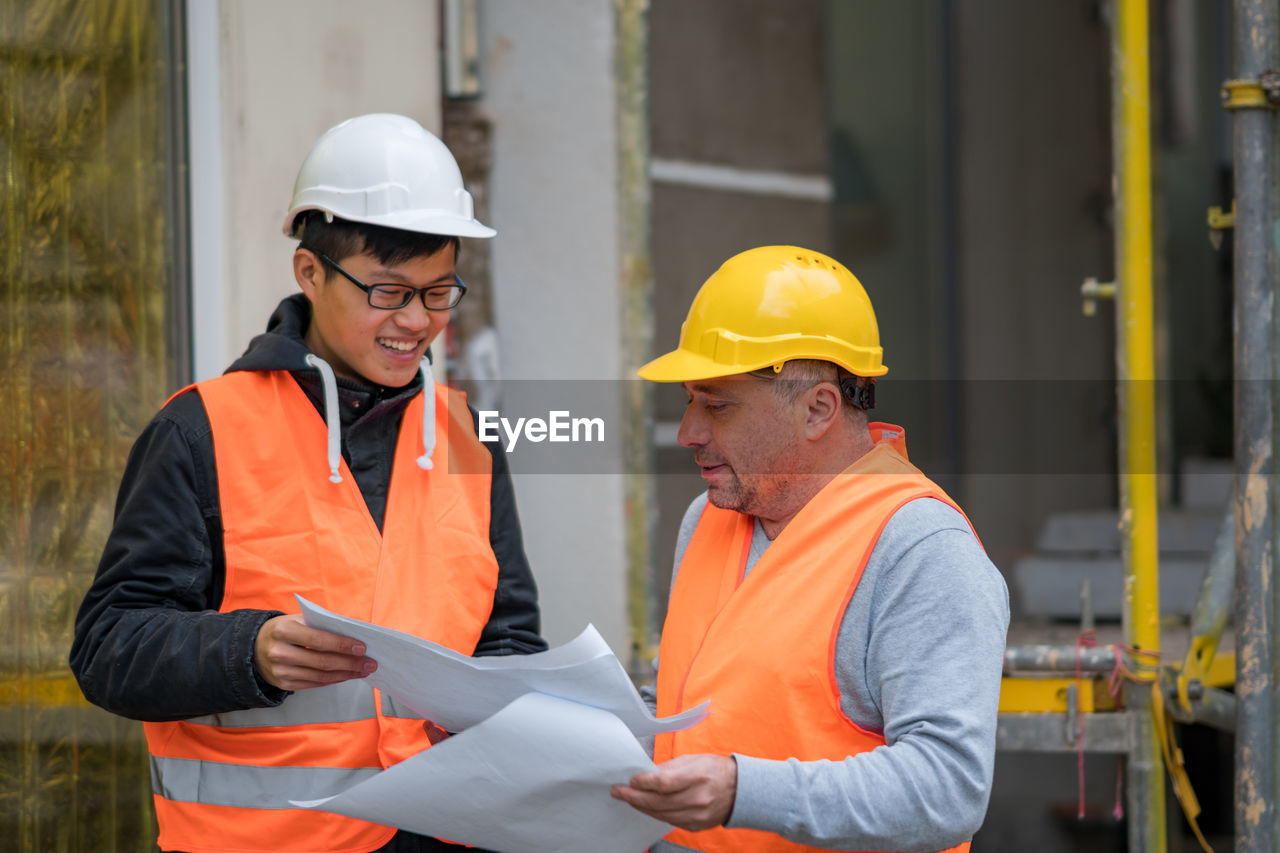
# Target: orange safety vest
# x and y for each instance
(223, 782)
(761, 648)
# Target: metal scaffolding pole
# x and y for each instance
(636, 280)
(1135, 328)
(1254, 498)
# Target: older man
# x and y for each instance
(830, 600)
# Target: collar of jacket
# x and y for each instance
(283, 347)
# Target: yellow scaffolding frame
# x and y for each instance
(1135, 723)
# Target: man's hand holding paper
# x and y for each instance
(540, 739)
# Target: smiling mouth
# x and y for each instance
(402, 347)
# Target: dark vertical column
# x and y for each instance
(1255, 499)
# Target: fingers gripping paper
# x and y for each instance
(457, 692)
(541, 739)
(532, 778)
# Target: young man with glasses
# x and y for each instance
(324, 463)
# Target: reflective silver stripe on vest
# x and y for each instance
(337, 703)
(392, 708)
(188, 780)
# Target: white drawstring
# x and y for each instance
(332, 417)
(428, 415)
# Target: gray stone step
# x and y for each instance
(1048, 586)
(1204, 483)
(1181, 531)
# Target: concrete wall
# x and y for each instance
(266, 80)
(739, 139)
(972, 197)
(1034, 220)
(548, 83)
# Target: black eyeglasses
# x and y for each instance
(390, 297)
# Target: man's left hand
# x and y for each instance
(692, 792)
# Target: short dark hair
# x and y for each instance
(800, 374)
(342, 238)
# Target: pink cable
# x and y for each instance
(1087, 638)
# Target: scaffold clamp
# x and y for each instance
(1262, 93)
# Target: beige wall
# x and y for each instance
(723, 179)
(548, 73)
(286, 71)
(1034, 221)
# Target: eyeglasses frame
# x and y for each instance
(420, 292)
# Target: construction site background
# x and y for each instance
(968, 161)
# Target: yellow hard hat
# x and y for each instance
(769, 305)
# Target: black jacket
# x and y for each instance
(149, 642)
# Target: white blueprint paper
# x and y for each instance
(532, 778)
(456, 691)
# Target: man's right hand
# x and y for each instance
(292, 656)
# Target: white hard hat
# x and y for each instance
(385, 169)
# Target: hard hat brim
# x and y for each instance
(425, 222)
(683, 366)
(680, 365)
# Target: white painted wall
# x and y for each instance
(548, 86)
(266, 80)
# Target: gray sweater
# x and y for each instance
(918, 659)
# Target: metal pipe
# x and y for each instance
(636, 286)
(1213, 606)
(1059, 659)
(1131, 154)
(1203, 704)
(1144, 796)
(1211, 707)
(1212, 610)
(1215, 708)
(1255, 502)
(1135, 318)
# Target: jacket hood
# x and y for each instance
(282, 346)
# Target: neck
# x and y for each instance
(827, 460)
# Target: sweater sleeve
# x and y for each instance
(515, 623)
(514, 626)
(919, 658)
(148, 642)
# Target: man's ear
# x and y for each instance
(308, 271)
(822, 409)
